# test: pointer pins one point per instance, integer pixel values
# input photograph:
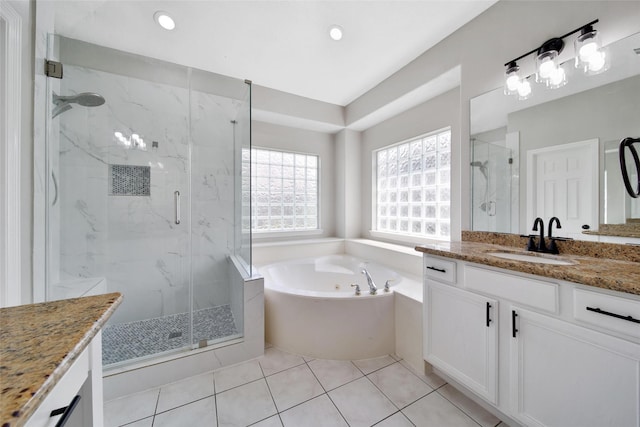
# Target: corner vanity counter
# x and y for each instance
(543, 340)
(49, 353)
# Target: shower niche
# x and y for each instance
(144, 197)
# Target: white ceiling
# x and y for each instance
(283, 45)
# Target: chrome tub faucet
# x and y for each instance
(373, 289)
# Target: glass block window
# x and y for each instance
(413, 189)
(284, 190)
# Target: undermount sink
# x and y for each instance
(537, 259)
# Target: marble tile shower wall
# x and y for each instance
(134, 241)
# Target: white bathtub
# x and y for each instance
(311, 309)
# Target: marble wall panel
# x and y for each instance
(134, 241)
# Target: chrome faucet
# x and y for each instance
(372, 286)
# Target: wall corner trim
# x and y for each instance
(11, 70)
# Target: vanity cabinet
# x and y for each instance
(462, 337)
(566, 375)
(530, 347)
(79, 391)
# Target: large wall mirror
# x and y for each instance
(556, 153)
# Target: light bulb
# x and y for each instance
(558, 78)
(513, 82)
(164, 20)
(546, 68)
(590, 54)
(588, 49)
(524, 90)
(335, 32)
(596, 61)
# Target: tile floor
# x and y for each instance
(282, 389)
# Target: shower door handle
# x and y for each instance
(176, 195)
(55, 186)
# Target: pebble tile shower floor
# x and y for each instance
(126, 341)
(283, 389)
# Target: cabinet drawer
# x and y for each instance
(532, 292)
(440, 269)
(606, 311)
(62, 394)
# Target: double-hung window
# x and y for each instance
(285, 191)
(412, 186)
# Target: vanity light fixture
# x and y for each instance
(513, 79)
(164, 20)
(590, 55)
(335, 32)
(591, 58)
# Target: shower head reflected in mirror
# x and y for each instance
(85, 99)
(482, 166)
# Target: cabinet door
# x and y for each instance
(565, 375)
(460, 336)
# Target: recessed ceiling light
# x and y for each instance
(164, 20)
(335, 32)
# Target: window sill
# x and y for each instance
(404, 239)
(258, 235)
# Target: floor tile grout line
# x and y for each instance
(243, 384)
(397, 412)
(272, 398)
(156, 407)
(215, 403)
(316, 377)
(459, 408)
(422, 375)
(385, 395)
(327, 392)
(382, 392)
(338, 409)
(185, 404)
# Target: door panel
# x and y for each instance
(563, 182)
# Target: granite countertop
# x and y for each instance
(615, 274)
(38, 344)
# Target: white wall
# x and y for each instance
(348, 164)
(25, 11)
(267, 135)
(503, 32)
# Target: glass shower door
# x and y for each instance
(119, 201)
(216, 125)
(145, 197)
(491, 187)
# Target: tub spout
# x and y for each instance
(372, 286)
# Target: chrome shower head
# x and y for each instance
(482, 166)
(86, 99)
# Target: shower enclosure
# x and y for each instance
(492, 182)
(147, 195)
